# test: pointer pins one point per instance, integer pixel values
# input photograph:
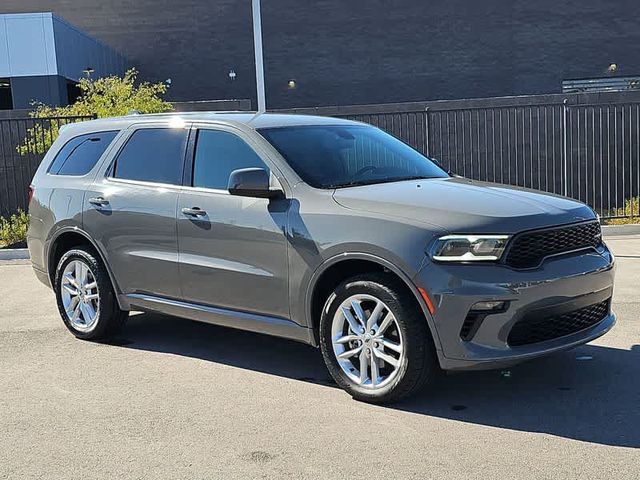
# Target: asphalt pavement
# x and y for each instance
(175, 399)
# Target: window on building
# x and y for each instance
(217, 155)
(153, 155)
(6, 101)
(80, 154)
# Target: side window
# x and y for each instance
(80, 154)
(217, 155)
(153, 155)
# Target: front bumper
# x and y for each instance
(561, 280)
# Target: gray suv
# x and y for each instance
(320, 230)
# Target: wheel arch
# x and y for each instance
(68, 238)
(345, 265)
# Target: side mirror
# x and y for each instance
(251, 182)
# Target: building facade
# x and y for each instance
(42, 58)
(330, 52)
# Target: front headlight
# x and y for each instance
(469, 248)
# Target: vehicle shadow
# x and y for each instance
(590, 394)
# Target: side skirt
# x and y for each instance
(253, 322)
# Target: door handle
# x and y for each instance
(99, 201)
(194, 212)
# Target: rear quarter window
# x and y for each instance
(80, 154)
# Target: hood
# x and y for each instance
(459, 205)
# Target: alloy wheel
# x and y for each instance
(367, 341)
(80, 296)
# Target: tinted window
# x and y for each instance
(340, 156)
(80, 154)
(153, 155)
(217, 155)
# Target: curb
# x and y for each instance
(620, 230)
(14, 254)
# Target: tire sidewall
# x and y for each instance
(402, 315)
(105, 309)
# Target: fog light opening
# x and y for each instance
(489, 306)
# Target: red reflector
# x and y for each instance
(427, 300)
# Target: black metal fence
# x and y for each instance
(584, 145)
(20, 158)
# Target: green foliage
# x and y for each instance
(105, 97)
(631, 211)
(14, 229)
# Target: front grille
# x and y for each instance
(528, 249)
(533, 330)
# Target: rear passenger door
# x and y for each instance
(130, 210)
(233, 254)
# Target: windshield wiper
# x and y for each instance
(354, 183)
(359, 183)
(415, 177)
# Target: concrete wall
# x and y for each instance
(362, 51)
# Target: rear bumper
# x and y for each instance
(574, 279)
(36, 254)
(42, 276)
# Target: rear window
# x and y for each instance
(153, 155)
(80, 154)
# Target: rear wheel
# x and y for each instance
(85, 296)
(375, 340)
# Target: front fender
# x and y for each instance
(354, 255)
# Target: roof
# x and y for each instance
(251, 119)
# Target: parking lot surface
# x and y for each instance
(171, 398)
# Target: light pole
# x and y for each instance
(257, 46)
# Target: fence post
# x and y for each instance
(426, 132)
(565, 154)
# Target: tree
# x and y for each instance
(105, 97)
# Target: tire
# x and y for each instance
(96, 293)
(407, 333)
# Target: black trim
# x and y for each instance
(242, 320)
(189, 157)
(549, 320)
(513, 239)
(474, 320)
(569, 305)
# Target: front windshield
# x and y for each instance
(329, 156)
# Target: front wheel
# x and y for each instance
(375, 340)
(85, 296)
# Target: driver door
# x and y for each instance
(233, 251)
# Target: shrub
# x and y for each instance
(631, 211)
(14, 229)
(105, 97)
